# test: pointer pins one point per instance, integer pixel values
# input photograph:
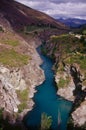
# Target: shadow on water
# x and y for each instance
(47, 101)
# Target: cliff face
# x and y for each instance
(19, 72)
(73, 90)
(15, 82)
(69, 55)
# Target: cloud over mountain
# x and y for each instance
(59, 8)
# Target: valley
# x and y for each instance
(26, 76)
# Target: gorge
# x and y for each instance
(47, 101)
(22, 30)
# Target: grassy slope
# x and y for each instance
(9, 55)
(68, 49)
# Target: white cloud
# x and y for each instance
(59, 8)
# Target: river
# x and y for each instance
(47, 101)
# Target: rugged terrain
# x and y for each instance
(20, 27)
(19, 72)
(21, 16)
(69, 54)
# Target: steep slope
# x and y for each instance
(19, 72)
(69, 54)
(19, 15)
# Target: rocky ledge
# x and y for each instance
(17, 80)
(73, 90)
(20, 73)
(79, 115)
(70, 72)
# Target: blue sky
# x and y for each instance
(59, 8)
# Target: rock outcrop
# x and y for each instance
(70, 74)
(18, 77)
(75, 92)
(79, 115)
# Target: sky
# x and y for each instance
(59, 8)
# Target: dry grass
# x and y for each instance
(12, 58)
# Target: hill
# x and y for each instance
(19, 16)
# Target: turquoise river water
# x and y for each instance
(47, 101)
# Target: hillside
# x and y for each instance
(69, 54)
(20, 16)
(22, 29)
(20, 73)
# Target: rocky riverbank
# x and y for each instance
(68, 53)
(20, 73)
(73, 91)
(15, 81)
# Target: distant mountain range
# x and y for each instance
(73, 22)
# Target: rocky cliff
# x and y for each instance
(69, 55)
(19, 72)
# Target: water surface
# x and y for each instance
(46, 100)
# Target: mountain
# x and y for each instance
(72, 22)
(20, 15)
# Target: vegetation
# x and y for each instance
(22, 106)
(70, 49)
(13, 58)
(63, 82)
(84, 32)
(46, 122)
(78, 58)
(9, 39)
(81, 30)
(37, 28)
(1, 29)
(23, 97)
(10, 42)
